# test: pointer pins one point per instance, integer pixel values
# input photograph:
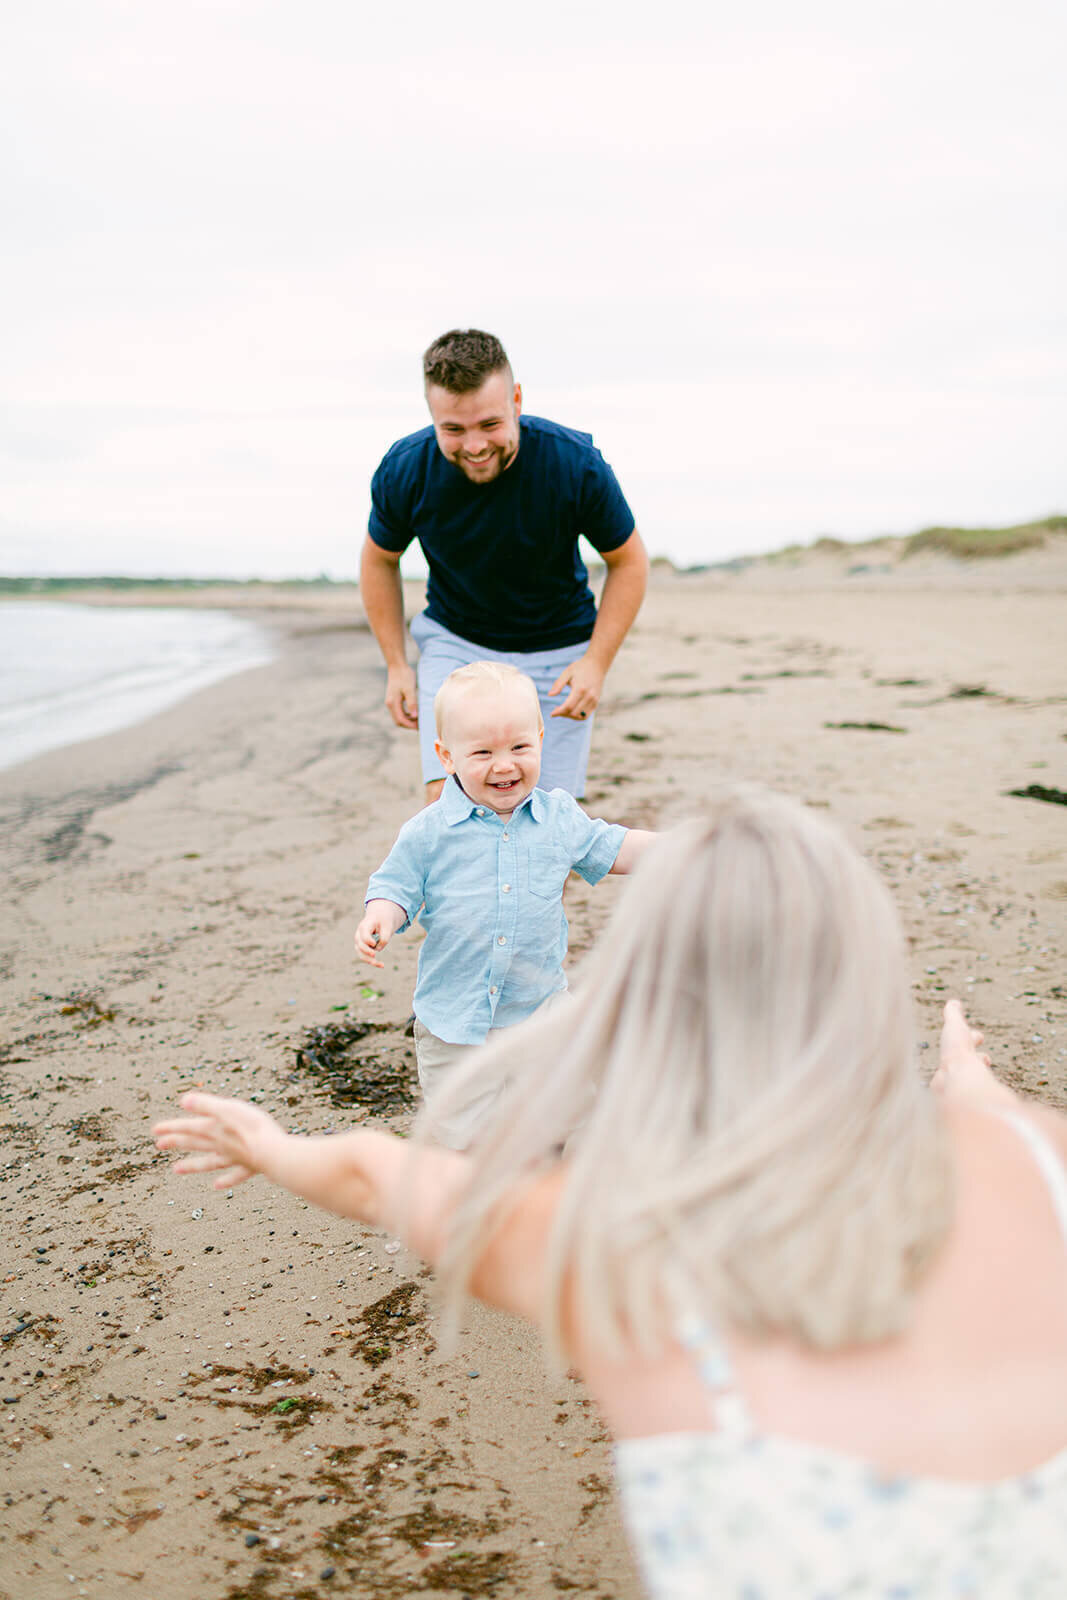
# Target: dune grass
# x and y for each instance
(965, 544)
(971, 543)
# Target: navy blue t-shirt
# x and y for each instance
(505, 571)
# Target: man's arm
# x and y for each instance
(383, 601)
(624, 590)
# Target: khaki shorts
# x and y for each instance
(436, 1059)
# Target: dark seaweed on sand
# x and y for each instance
(1038, 791)
(345, 1059)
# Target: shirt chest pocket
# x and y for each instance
(546, 872)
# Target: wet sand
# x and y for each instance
(219, 1397)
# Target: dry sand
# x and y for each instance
(216, 1397)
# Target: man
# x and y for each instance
(497, 502)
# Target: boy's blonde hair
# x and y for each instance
(755, 1140)
(480, 675)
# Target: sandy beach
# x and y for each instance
(212, 1397)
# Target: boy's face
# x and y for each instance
(491, 740)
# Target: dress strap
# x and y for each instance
(728, 1409)
(1049, 1163)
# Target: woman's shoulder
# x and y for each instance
(1011, 1177)
(1050, 1123)
(981, 1123)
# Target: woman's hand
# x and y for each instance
(964, 1073)
(230, 1138)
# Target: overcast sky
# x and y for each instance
(799, 269)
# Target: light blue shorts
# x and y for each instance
(565, 754)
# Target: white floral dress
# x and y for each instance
(737, 1514)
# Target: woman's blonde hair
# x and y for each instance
(481, 675)
(752, 1131)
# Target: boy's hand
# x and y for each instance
(232, 1138)
(380, 921)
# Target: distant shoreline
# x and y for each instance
(881, 551)
(48, 588)
(69, 674)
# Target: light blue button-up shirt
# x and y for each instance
(491, 893)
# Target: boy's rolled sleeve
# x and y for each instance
(400, 878)
(602, 844)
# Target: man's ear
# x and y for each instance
(516, 399)
(444, 757)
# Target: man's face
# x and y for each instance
(478, 432)
(491, 740)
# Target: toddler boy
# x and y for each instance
(487, 863)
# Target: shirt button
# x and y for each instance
(505, 835)
(492, 988)
(481, 811)
(506, 888)
(502, 940)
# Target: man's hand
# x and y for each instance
(380, 921)
(620, 601)
(382, 594)
(586, 682)
(401, 697)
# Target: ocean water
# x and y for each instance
(70, 672)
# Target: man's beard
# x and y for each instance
(489, 470)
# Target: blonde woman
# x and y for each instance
(823, 1311)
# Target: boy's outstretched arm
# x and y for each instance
(381, 919)
(633, 847)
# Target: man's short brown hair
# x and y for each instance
(462, 359)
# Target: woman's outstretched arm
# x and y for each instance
(963, 1072)
(359, 1174)
(374, 1178)
(965, 1078)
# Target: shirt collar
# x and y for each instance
(538, 804)
(459, 806)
